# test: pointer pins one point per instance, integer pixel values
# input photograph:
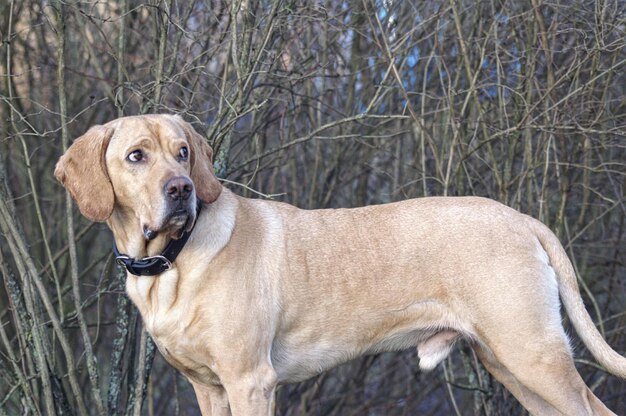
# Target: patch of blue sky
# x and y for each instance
(490, 91)
(516, 65)
(345, 40)
(359, 81)
(432, 70)
(413, 57)
(317, 82)
(410, 80)
(347, 15)
(502, 18)
(489, 67)
(442, 30)
(382, 13)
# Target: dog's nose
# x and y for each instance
(179, 188)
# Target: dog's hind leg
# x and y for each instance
(531, 401)
(543, 379)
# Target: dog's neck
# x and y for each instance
(131, 241)
(154, 296)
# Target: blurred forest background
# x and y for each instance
(322, 104)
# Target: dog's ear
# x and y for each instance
(207, 186)
(82, 171)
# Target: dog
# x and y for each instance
(243, 294)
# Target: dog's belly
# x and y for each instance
(304, 352)
(296, 361)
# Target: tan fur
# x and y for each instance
(85, 159)
(265, 293)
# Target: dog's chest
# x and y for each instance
(184, 351)
(167, 320)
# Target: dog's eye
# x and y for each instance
(183, 153)
(135, 156)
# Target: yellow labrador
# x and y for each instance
(258, 293)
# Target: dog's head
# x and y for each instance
(150, 168)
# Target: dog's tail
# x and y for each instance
(570, 295)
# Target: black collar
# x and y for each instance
(154, 265)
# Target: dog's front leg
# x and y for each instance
(212, 399)
(251, 393)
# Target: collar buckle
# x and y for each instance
(166, 264)
(123, 260)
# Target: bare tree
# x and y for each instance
(320, 104)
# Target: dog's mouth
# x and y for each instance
(180, 219)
